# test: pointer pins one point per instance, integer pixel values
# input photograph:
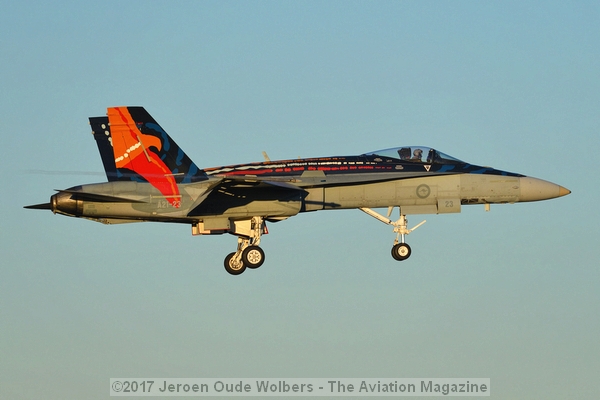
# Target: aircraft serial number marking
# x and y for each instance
(166, 204)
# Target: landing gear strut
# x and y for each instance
(248, 254)
(400, 251)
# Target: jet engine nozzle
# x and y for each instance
(66, 204)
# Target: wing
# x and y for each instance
(251, 196)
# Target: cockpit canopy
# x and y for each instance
(415, 154)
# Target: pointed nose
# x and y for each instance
(563, 191)
(533, 189)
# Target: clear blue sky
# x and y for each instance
(511, 295)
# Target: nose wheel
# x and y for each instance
(401, 251)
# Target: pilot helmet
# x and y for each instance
(418, 153)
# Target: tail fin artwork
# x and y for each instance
(134, 147)
(101, 132)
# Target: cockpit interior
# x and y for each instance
(415, 154)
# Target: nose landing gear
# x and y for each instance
(400, 251)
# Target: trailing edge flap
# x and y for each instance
(99, 198)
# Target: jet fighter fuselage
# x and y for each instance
(152, 179)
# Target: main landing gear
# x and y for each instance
(400, 251)
(248, 254)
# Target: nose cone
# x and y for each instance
(533, 189)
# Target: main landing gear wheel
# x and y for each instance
(233, 266)
(401, 251)
(248, 254)
(253, 257)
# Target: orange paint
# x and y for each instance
(131, 149)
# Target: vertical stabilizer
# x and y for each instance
(101, 132)
(133, 146)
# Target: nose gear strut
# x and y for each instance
(401, 250)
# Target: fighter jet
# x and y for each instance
(150, 178)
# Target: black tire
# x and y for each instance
(401, 251)
(253, 257)
(231, 268)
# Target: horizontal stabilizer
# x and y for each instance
(99, 198)
(45, 206)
